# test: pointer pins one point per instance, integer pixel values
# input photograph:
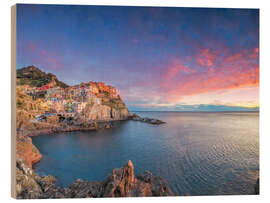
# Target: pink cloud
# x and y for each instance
(38, 54)
(177, 67)
(233, 71)
(233, 57)
(179, 79)
(206, 58)
(254, 54)
(32, 46)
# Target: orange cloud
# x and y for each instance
(175, 68)
(234, 71)
(233, 57)
(254, 54)
(206, 58)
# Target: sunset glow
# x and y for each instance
(158, 58)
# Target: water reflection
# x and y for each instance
(198, 153)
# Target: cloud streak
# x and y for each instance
(230, 71)
(154, 56)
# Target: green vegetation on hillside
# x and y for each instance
(32, 76)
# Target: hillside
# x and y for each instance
(34, 77)
(39, 92)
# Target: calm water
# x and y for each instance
(197, 153)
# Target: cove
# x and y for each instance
(197, 153)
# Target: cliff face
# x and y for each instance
(101, 112)
(104, 103)
(120, 183)
(26, 151)
(38, 93)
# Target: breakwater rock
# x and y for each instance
(120, 183)
(153, 121)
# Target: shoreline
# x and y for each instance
(120, 183)
(82, 183)
(96, 125)
(31, 154)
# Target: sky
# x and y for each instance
(159, 58)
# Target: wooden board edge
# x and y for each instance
(13, 99)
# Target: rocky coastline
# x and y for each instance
(28, 151)
(45, 105)
(121, 182)
(153, 121)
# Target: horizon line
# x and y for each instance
(201, 111)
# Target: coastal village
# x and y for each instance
(45, 105)
(72, 99)
(43, 95)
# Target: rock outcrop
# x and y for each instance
(153, 121)
(120, 183)
(26, 150)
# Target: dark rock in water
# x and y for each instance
(153, 121)
(135, 116)
(146, 177)
(120, 183)
(257, 187)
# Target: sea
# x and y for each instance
(198, 153)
